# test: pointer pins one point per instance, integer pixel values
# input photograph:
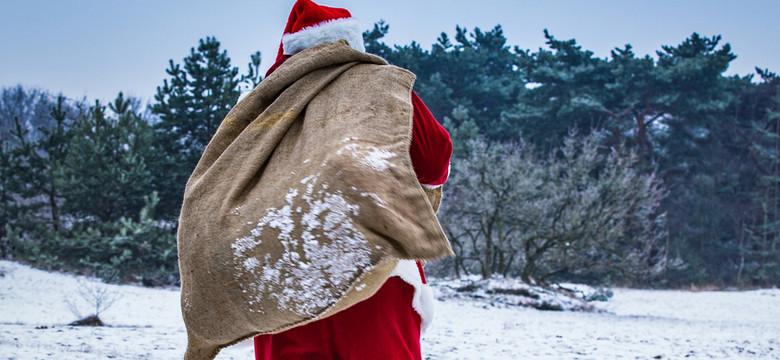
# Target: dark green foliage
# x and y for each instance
(30, 157)
(104, 175)
(7, 208)
(33, 159)
(566, 91)
(126, 249)
(122, 250)
(191, 104)
(757, 253)
(478, 75)
(75, 194)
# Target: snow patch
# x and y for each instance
(377, 200)
(321, 247)
(251, 263)
(369, 156)
(146, 323)
(498, 291)
(377, 159)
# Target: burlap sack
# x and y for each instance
(303, 201)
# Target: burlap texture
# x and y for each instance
(303, 201)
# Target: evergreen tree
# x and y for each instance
(253, 77)
(694, 157)
(105, 176)
(190, 105)
(566, 90)
(478, 76)
(33, 163)
(759, 240)
(6, 197)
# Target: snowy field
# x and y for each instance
(142, 323)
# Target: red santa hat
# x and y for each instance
(310, 24)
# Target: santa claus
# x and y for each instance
(388, 324)
(306, 219)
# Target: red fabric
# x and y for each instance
(431, 147)
(385, 326)
(306, 13)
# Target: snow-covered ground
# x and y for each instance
(36, 306)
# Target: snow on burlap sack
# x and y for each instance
(303, 201)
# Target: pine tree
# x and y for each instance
(33, 161)
(190, 105)
(759, 245)
(478, 74)
(6, 197)
(105, 176)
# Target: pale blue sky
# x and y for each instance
(96, 48)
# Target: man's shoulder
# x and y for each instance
(379, 76)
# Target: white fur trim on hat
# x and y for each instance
(324, 32)
(423, 300)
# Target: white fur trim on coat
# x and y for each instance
(423, 300)
(324, 32)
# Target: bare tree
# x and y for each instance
(580, 209)
(98, 298)
(32, 108)
(483, 202)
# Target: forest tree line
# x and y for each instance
(657, 171)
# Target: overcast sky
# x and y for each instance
(96, 48)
